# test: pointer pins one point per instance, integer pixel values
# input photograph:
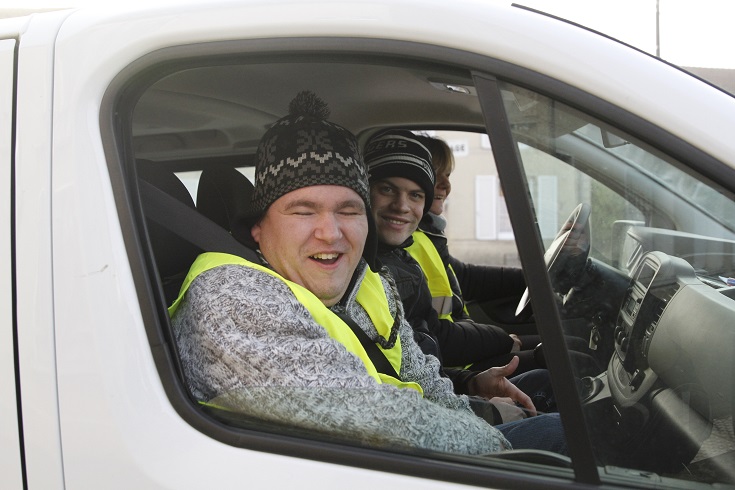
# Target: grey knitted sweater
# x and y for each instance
(247, 344)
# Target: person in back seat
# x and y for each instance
(402, 183)
(280, 340)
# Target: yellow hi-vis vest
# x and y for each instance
(371, 296)
(426, 255)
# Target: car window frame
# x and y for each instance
(115, 116)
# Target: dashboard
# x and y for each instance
(676, 324)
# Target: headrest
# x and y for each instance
(224, 196)
(173, 254)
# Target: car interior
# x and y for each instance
(644, 266)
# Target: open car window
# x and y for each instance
(188, 121)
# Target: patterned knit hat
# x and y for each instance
(400, 153)
(303, 149)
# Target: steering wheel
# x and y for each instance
(566, 256)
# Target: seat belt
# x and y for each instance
(381, 363)
(189, 224)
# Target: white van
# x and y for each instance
(543, 116)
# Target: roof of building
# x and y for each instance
(722, 77)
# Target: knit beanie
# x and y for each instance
(400, 153)
(303, 149)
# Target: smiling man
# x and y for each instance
(312, 336)
(315, 236)
(402, 186)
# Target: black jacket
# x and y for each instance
(453, 343)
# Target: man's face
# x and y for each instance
(441, 192)
(398, 206)
(314, 236)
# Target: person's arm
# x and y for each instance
(489, 384)
(425, 370)
(416, 365)
(466, 342)
(483, 282)
(460, 379)
(494, 382)
(247, 345)
(460, 343)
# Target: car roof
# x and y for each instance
(397, 94)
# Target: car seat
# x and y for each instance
(173, 254)
(224, 196)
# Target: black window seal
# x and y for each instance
(13, 268)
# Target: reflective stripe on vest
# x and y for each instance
(457, 291)
(371, 296)
(426, 255)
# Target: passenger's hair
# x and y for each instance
(442, 158)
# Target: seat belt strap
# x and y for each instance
(189, 224)
(381, 363)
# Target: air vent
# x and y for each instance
(661, 298)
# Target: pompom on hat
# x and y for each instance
(400, 153)
(303, 149)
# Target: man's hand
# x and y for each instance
(493, 382)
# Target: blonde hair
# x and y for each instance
(442, 158)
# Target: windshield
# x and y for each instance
(570, 157)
